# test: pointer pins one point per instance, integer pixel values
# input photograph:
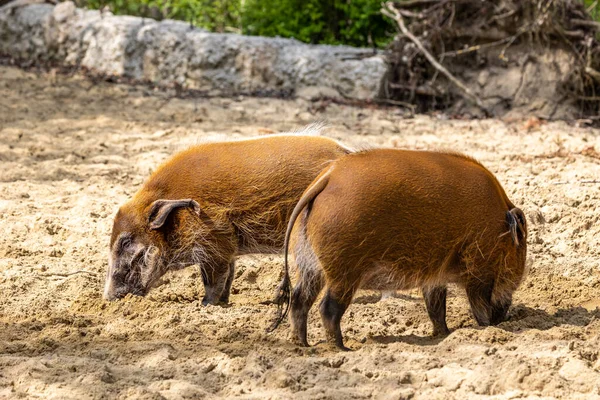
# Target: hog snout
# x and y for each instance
(115, 289)
(125, 276)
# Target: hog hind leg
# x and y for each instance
(310, 284)
(333, 306)
(479, 293)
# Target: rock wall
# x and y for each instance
(170, 52)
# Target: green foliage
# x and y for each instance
(593, 7)
(301, 19)
(351, 22)
(213, 15)
(116, 6)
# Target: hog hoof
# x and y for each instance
(206, 301)
(438, 332)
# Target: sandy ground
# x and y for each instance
(72, 151)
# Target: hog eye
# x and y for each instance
(126, 243)
(119, 273)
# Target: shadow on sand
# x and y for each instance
(521, 319)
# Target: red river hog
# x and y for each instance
(209, 204)
(397, 219)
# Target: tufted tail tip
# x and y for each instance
(282, 299)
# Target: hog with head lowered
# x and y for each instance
(396, 219)
(210, 203)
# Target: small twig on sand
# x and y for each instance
(67, 274)
(411, 107)
(391, 12)
(476, 48)
(585, 181)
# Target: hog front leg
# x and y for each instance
(215, 282)
(224, 299)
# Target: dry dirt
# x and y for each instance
(72, 151)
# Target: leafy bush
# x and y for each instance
(213, 15)
(117, 6)
(351, 22)
(593, 7)
(301, 19)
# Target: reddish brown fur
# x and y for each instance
(396, 219)
(245, 190)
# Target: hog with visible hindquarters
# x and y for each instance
(399, 219)
(207, 205)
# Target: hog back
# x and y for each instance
(253, 184)
(398, 219)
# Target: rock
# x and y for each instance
(398, 394)
(179, 389)
(483, 77)
(316, 93)
(171, 52)
(531, 83)
(107, 376)
(450, 377)
(279, 379)
(64, 11)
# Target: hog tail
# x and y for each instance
(283, 297)
(517, 225)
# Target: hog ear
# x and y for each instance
(161, 209)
